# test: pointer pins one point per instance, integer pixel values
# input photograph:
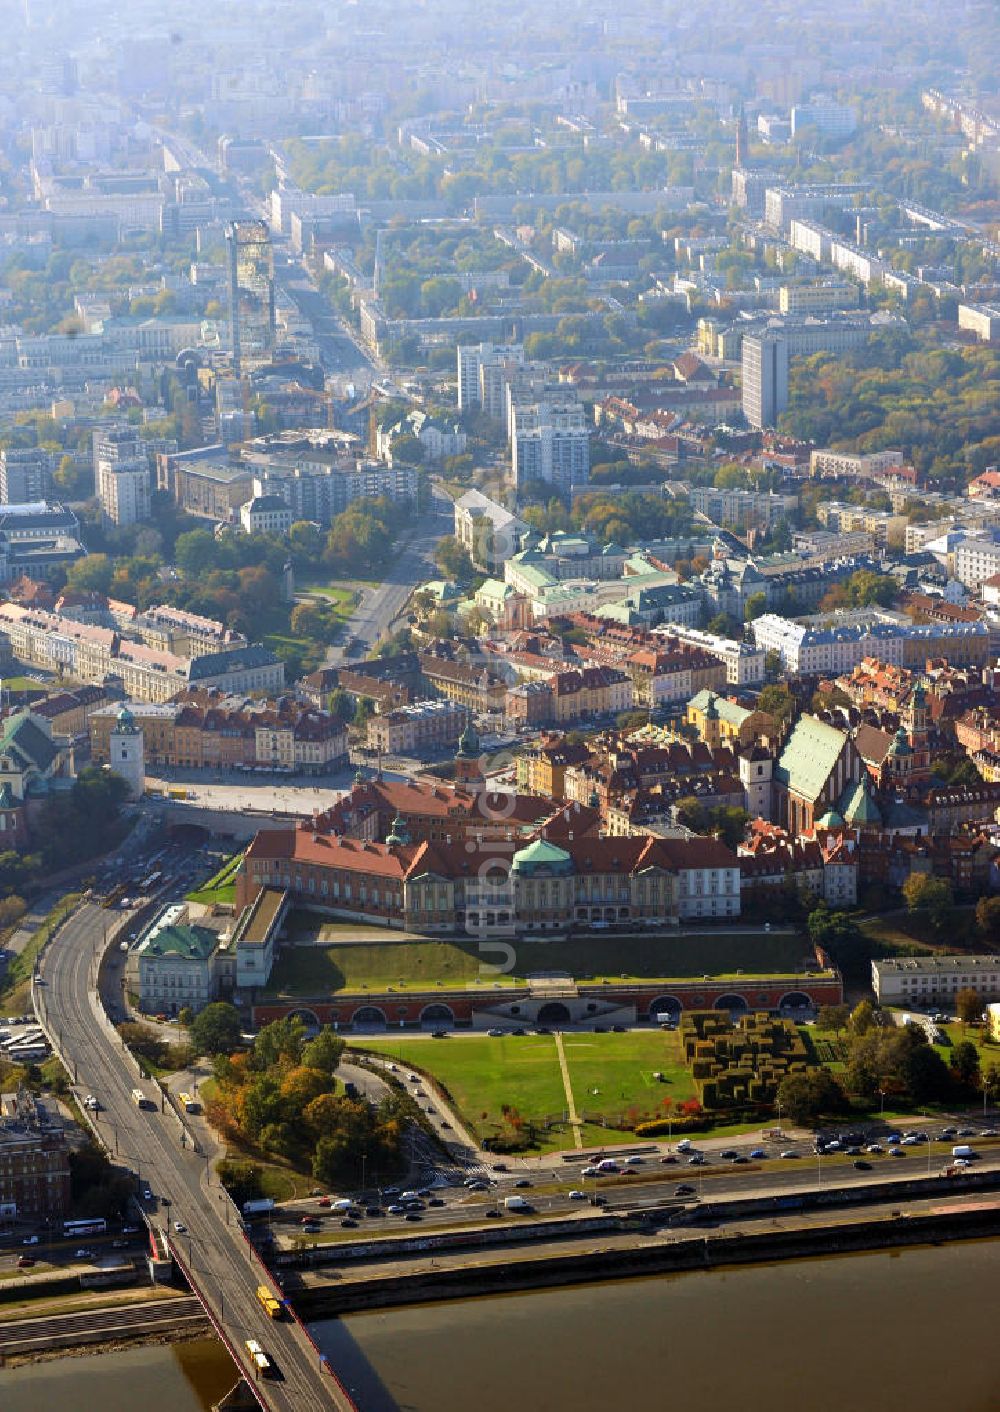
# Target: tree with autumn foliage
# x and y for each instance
(280, 1098)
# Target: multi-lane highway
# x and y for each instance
(212, 1247)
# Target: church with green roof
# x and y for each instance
(821, 779)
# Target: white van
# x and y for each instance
(343, 1203)
(684, 1145)
(607, 1164)
(962, 1150)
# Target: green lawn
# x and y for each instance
(20, 967)
(903, 933)
(316, 970)
(221, 888)
(22, 684)
(989, 1053)
(481, 1074)
(612, 1074)
(341, 600)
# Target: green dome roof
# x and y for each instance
(540, 857)
(830, 820)
(900, 745)
(125, 722)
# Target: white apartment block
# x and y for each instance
(124, 490)
(976, 560)
(981, 319)
(472, 358)
(831, 119)
(808, 650)
(859, 263)
(551, 443)
(743, 661)
(924, 980)
(810, 238)
(818, 298)
(825, 462)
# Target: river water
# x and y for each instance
(914, 1328)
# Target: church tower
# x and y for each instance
(127, 754)
(917, 719)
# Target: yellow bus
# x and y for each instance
(273, 1306)
(189, 1104)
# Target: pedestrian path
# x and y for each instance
(573, 1116)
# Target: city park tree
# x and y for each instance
(988, 919)
(929, 897)
(815, 1093)
(965, 1063)
(216, 1029)
(968, 1005)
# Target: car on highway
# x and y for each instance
(577, 1195)
(684, 1190)
(83, 1254)
(396, 1210)
(729, 1153)
(862, 1166)
(180, 1227)
(522, 1182)
(788, 1154)
(147, 1194)
(757, 1153)
(413, 1216)
(435, 1201)
(896, 1152)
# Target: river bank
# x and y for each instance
(645, 1253)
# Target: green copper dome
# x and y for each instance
(542, 859)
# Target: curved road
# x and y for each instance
(379, 607)
(213, 1247)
